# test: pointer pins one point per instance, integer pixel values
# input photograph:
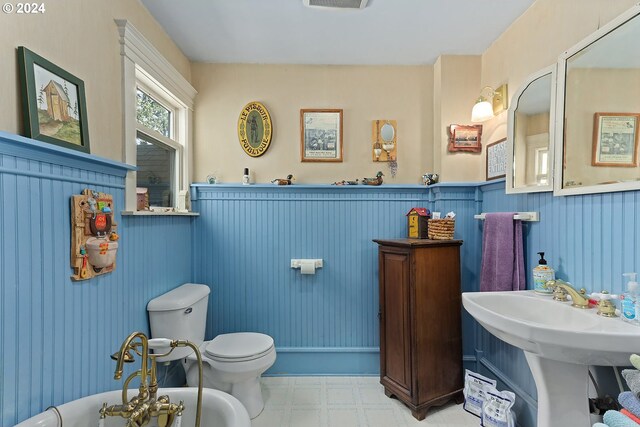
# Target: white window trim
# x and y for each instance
(141, 61)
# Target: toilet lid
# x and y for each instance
(239, 345)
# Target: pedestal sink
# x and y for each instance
(559, 342)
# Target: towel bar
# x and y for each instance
(522, 216)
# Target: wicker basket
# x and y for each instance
(441, 229)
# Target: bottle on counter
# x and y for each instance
(629, 300)
(541, 275)
(245, 177)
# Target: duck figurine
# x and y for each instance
(345, 182)
(284, 181)
(373, 181)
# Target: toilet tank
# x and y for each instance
(180, 314)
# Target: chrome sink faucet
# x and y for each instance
(561, 289)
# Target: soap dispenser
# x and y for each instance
(541, 275)
(629, 300)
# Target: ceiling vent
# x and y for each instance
(337, 4)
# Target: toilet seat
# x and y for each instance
(239, 347)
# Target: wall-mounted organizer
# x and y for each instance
(93, 235)
(384, 139)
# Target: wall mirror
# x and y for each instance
(599, 110)
(387, 132)
(530, 131)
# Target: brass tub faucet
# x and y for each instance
(147, 405)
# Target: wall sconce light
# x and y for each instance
(384, 140)
(483, 110)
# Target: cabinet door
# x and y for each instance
(395, 328)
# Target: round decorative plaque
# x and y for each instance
(255, 129)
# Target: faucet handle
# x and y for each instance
(551, 284)
(604, 295)
(128, 357)
(560, 294)
(606, 307)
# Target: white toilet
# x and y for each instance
(232, 362)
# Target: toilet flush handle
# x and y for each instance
(159, 343)
(188, 310)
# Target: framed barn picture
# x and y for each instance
(53, 103)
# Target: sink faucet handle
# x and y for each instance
(606, 307)
(560, 294)
(604, 295)
(551, 284)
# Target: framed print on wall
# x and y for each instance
(53, 103)
(615, 139)
(321, 135)
(497, 159)
(465, 138)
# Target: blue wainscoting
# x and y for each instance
(326, 323)
(56, 335)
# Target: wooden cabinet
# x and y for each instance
(420, 322)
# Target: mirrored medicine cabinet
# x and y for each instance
(590, 102)
(598, 110)
(531, 130)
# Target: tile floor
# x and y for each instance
(344, 402)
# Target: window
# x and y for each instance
(157, 108)
(542, 166)
(156, 170)
(158, 154)
(152, 114)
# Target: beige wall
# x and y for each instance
(456, 87)
(535, 40)
(365, 93)
(424, 99)
(81, 37)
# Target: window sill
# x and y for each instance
(153, 213)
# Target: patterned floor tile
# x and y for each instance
(345, 402)
(340, 395)
(305, 418)
(306, 396)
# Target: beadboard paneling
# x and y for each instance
(56, 335)
(246, 236)
(245, 240)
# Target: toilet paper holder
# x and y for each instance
(297, 263)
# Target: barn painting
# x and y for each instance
(58, 109)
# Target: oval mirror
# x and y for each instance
(387, 132)
(599, 110)
(530, 134)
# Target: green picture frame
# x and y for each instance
(53, 103)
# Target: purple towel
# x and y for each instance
(502, 253)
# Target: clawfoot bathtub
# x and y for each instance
(219, 409)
